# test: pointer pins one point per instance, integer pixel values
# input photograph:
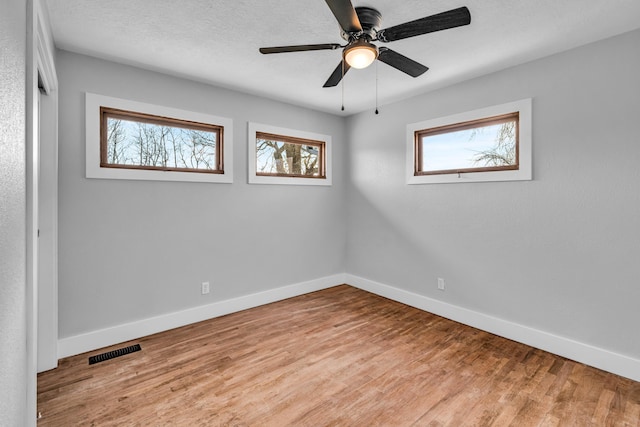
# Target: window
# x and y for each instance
(287, 156)
(491, 144)
(132, 140)
(142, 141)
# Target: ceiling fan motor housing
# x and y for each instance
(370, 20)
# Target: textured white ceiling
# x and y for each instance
(217, 41)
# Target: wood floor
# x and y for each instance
(338, 357)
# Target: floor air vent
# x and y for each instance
(115, 353)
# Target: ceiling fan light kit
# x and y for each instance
(360, 27)
(360, 54)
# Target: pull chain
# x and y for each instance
(342, 83)
(376, 87)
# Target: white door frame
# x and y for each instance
(40, 71)
(47, 280)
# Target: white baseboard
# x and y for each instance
(584, 353)
(78, 344)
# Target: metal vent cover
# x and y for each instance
(114, 353)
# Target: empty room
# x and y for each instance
(320, 212)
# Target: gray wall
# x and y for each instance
(130, 250)
(559, 253)
(14, 374)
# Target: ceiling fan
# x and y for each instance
(361, 26)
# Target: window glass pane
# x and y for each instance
(480, 147)
(152, 145)
(287, 158)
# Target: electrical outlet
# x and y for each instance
(441, 283)
(205, 288)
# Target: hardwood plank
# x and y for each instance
(336, 357)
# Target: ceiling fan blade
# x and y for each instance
(401, 62)
(345, 14)
(441, 21)
(337, 74)
(299, 48)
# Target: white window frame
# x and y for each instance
(524, 173)
(92, 142)
(253, 128)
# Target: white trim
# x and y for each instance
(32, 159)
(47, 308)
(522, 106)
(105, 337)
(45, 46)
(255, 179)
(92, 118)
(48, 240)
(584, 353)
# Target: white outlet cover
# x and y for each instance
(205, 288)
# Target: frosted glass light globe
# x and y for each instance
(361, 54)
